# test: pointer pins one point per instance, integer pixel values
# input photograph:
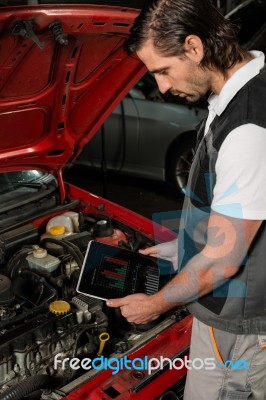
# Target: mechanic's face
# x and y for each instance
(181, 75)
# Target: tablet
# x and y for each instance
(112, 272)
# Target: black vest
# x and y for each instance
(239, 305)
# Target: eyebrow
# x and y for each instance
(156, 71)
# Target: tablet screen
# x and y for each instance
(110, 272)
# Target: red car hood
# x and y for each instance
(62, 71)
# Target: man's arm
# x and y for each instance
(228, 241)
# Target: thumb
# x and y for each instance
(115, 302)
(149, 251)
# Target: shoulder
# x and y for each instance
(241, 170)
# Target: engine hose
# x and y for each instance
(30, 385)
(24, 315)
(16, 260)
(65, 246)
(76, 249)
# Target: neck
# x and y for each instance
(219, 79)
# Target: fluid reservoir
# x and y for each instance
(62, 226)
(63, 220)
(40, 260)
(75, 219)
(104, 232)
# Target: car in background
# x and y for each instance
(146, 136)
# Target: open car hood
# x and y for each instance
(62, 71)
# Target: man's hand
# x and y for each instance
(140, 308)
(137, 308)
(167, 250)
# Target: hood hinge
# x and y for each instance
(25, 28)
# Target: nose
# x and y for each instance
(163, 83)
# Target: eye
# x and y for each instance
(163, 72)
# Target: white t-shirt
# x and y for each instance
(240, 189)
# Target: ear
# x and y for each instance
(194, 48)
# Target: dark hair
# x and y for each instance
(169, 22)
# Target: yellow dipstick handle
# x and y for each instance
(104, 337)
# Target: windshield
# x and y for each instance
(28, 192)
(10, 181)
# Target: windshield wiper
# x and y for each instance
(26, 198)
(33, 185)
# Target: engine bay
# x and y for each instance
(42, 315)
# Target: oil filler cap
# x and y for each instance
(59, 307)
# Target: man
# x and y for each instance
(192, 49)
